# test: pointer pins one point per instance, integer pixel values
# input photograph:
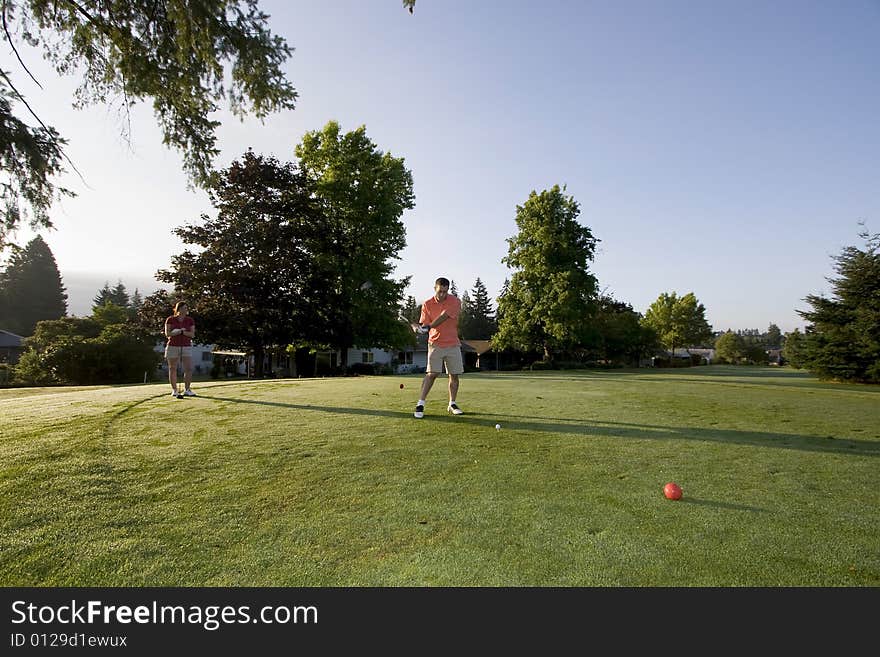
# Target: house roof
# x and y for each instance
(9, 339)
(480, 346)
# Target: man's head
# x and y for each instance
(441, 288)
(180, 308)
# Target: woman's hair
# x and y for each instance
(178, 305)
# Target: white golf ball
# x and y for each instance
(498, 426)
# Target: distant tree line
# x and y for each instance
(270, 274)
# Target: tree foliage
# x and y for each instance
(678, 321)
(184, 56)
(730, 347)
(117, 295)
(83, 351)
(773, 338)
(477, 320)
(552, 293)
(362, 193)
(792, 352)
(30, 159)
(619, 337)
(842, 339)
(252, 280)
(31, 289)
(410, 310)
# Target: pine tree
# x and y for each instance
(103, 296)
(118, 296)
(31, 289)
(479, 323)
(410, 310)
(465, 319)
(842, 340)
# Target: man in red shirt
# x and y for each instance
(180, 329)
(439, 319)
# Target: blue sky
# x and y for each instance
(728, 149)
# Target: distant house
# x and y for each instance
(10, 347)
(681, 357)
(202, 355)
(707, 355)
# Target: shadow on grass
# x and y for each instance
(603, 428)
(717, 374)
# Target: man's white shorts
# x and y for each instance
(450, 356)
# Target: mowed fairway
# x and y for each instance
(331, 482)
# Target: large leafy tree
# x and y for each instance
(30, 159)
(620, 337)
(252, 280)
(678, 321)
(477, 321)
(730, 347)
(552, 293)
(31, 289)
(842, 339)
(173, 53)
(362, 193)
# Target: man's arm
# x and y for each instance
(442, 317)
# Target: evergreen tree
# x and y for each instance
(135, 304)
(479, 321)
(117, 295)
(31, 289)
(120, 296)
(411, 310)
(103, 296)
(842, 340)
(465, 320)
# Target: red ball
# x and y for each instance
(672, 491)
(401, 386)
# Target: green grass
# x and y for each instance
(331, 482)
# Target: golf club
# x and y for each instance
(179, 370)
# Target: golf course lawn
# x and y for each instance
(332, 482)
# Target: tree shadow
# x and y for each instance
(581, 427)
(719, 375)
